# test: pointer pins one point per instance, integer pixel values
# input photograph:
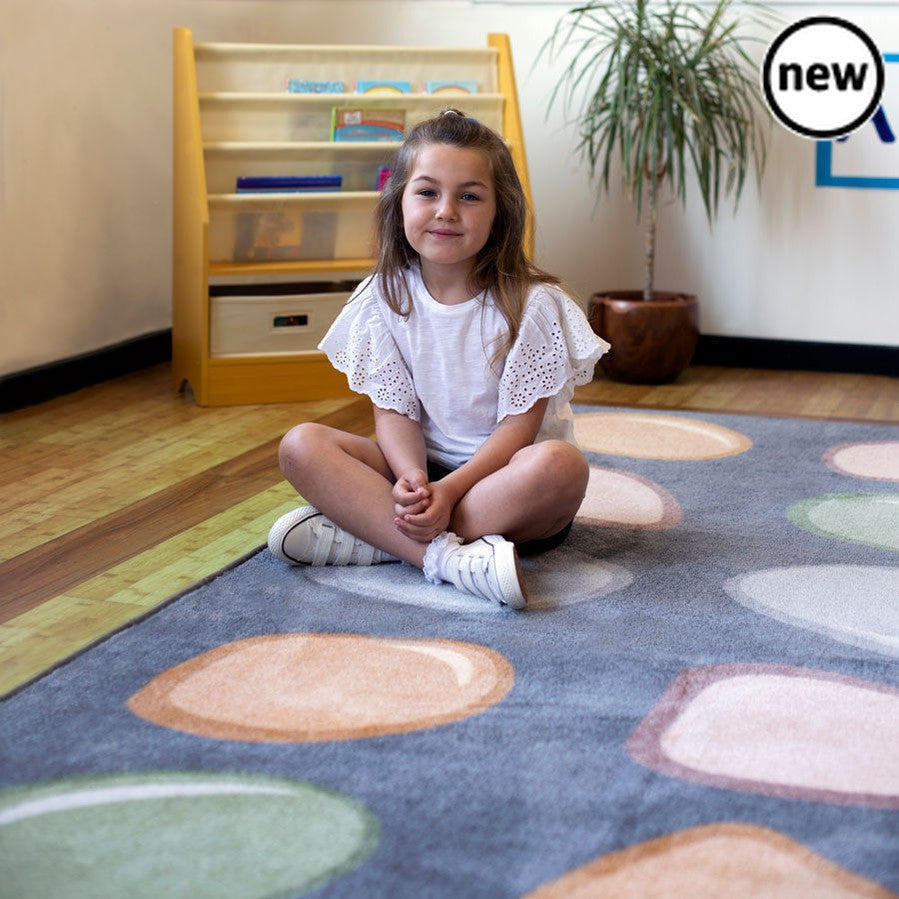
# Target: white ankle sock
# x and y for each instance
(439, 549)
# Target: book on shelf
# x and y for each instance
(451, 87)
(285, 234)
(288, 183)
(384, 172)
(309, 86)
(361, 124)
(383, 87)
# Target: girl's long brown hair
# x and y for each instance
(502, 266)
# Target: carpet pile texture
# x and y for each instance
(702, 700)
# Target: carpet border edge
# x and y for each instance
(131, 622)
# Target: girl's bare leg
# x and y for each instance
(347, 479)
(534, 496)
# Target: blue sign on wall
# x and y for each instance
(868, 158)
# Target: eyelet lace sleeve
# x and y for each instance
(360, 345)
(556, 350)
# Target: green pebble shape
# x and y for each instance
(178, 834)
(869, 518)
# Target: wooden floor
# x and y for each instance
(118, 496)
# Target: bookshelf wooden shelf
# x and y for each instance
(233, 116)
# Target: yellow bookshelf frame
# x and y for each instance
(276, 377)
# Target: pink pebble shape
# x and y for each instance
(623, 499)
(777, 730)
(877, 460)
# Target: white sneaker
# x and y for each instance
(306, 537)
(487, 567)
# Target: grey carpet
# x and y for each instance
(704, 705)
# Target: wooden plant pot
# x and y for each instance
(652, 341)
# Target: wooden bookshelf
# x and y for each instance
(234, 116)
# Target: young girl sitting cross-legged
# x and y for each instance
(470, 355)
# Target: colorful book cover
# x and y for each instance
(383, 87)
(367, 124)
(384, 172)
(288, 183)
(307, 86)
(451, 87)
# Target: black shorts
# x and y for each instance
(436, 471)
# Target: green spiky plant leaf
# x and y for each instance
(666, 88)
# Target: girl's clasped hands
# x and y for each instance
(423, 509)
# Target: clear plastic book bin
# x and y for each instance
(290, 227)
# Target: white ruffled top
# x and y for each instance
(434, 365)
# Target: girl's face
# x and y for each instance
(449, 204)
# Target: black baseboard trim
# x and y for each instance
(797, 355)
(36, 385)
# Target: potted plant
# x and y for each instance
(662, 90)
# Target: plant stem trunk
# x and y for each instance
(649, 259)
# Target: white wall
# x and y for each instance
(85, 178)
